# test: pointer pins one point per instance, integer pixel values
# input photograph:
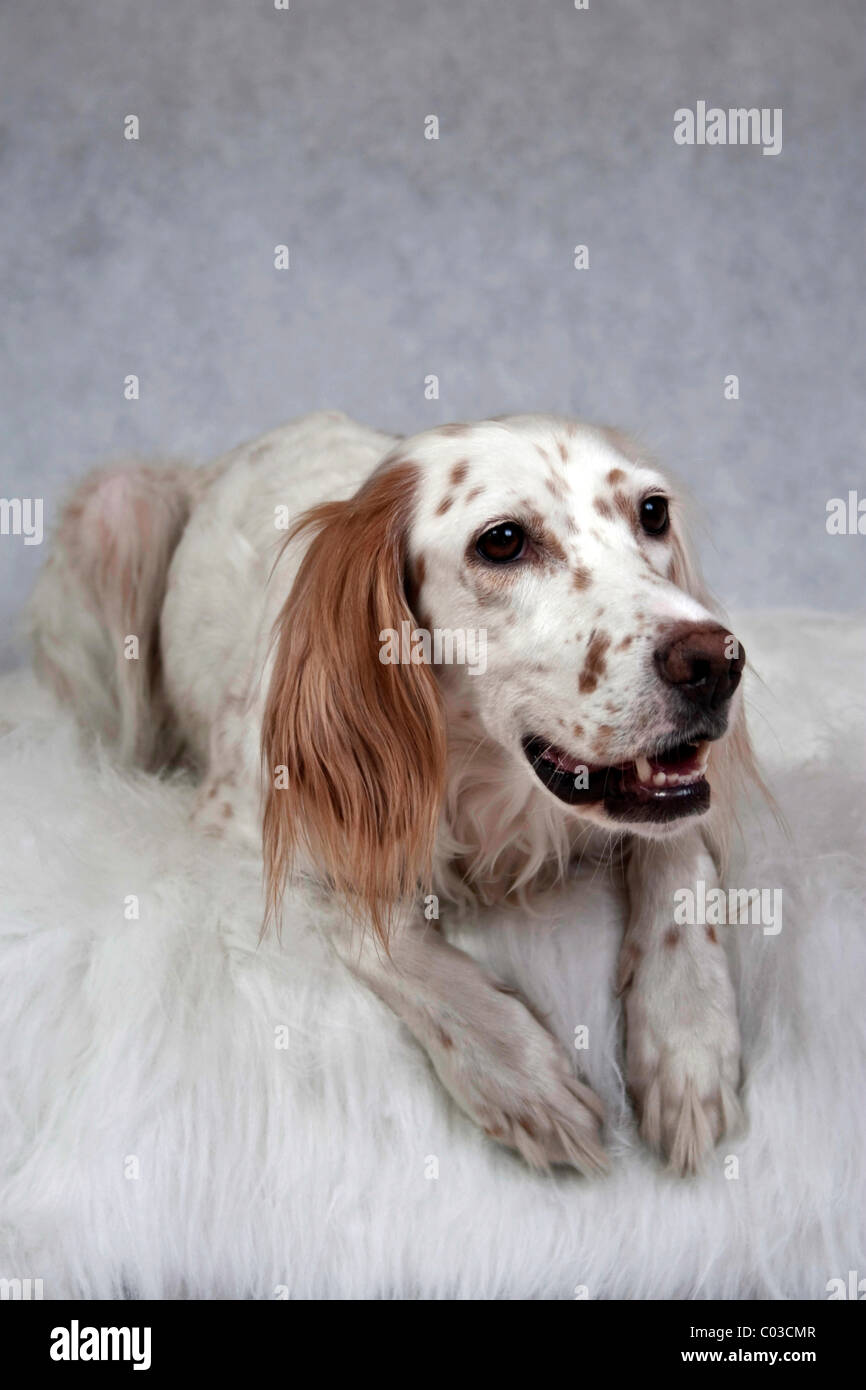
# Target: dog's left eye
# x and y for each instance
(654, 516)
(502, 543)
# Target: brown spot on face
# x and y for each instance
(572, 527)
(603, 507)
(672, 937)
(227, 810)
(445, 505)
(473, 493)
(458, 472)
(711, 935)
(445, 1039)
(594, 665)
(582, 577)
(615, 476)
(604, 734)
(563, 452)
(626, 642)
(578, 731)
(554, 487)
(543, 535)
(543, 453)
(623, 505)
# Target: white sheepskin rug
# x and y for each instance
(187, 1114)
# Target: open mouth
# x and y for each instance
(666, 786)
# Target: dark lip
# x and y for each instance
(632, 804)
(624, 799)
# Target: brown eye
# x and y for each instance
(654, 515)
(502, 543)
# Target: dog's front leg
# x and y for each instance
(502, 1067)
(682, 1033)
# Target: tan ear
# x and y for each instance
(684, 569)
(362, 742)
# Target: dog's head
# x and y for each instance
(529, 578)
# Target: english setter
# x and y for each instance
(181, 621)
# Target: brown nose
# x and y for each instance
(703, 661)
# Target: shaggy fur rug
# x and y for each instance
(187, 1113)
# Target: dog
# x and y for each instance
(249, 619)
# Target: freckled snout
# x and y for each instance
(703, 661)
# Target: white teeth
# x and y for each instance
(673, 779)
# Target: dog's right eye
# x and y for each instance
(502, 543)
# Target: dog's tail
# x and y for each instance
(94, 616)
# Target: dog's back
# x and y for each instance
(156, 579)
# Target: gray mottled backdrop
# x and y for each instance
(455, 257)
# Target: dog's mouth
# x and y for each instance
(669, 784)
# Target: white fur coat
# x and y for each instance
(187, 1113)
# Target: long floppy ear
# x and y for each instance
(362, 743)
(732, 759)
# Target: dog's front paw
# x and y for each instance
(683, 1057)
(512, 1078)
